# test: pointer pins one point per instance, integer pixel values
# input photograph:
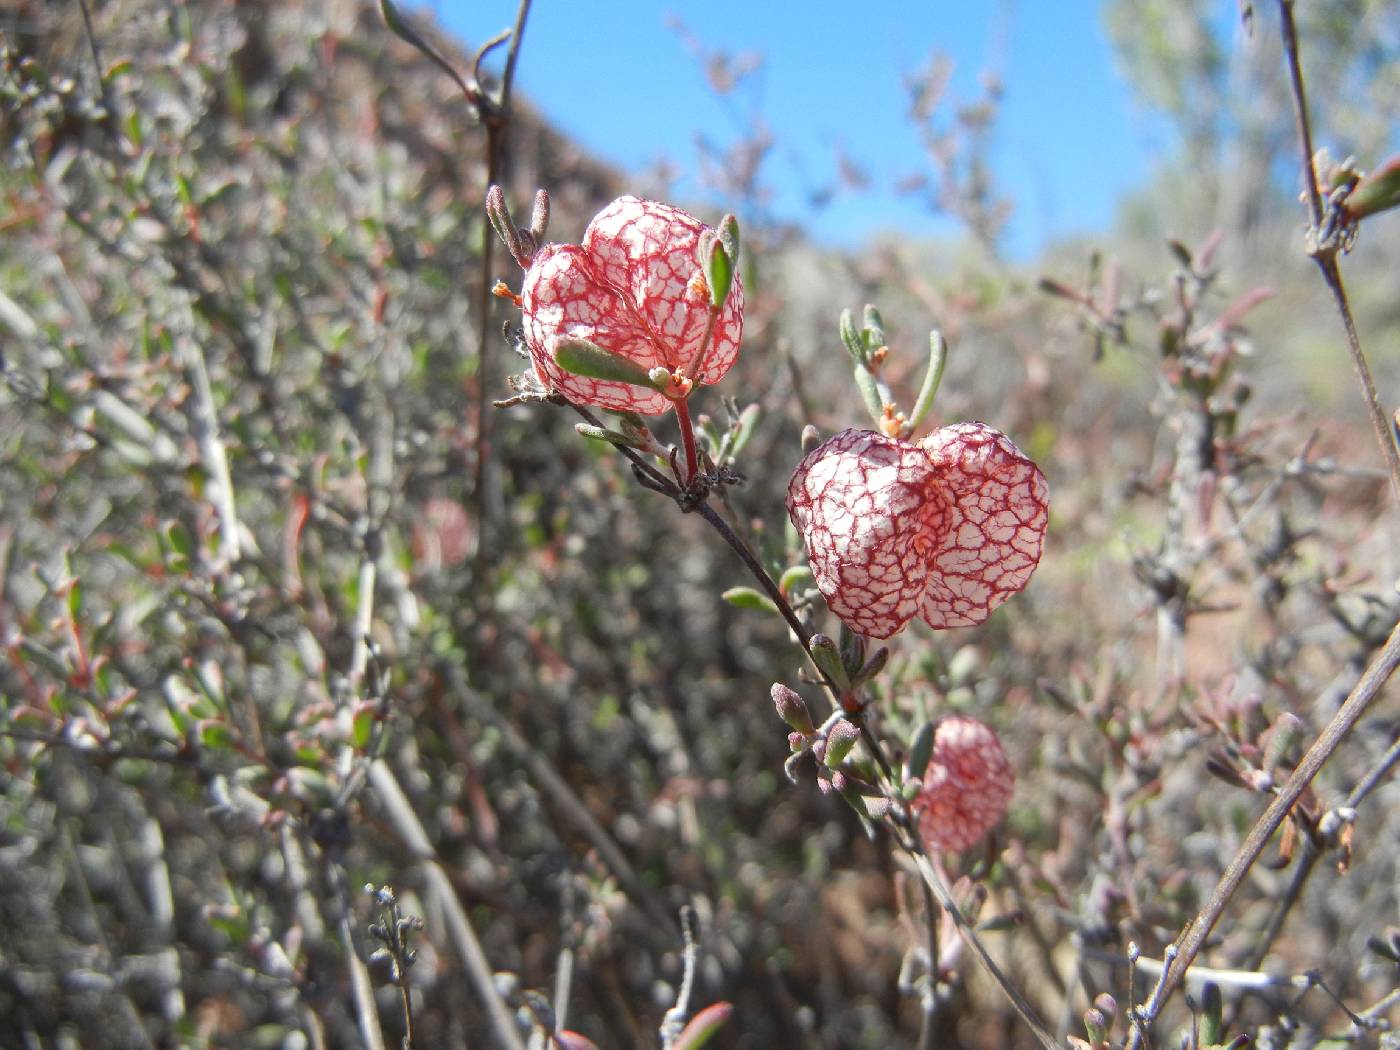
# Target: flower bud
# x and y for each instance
(792, 709)
(839, 741)
(1095, 1026)
(1281, 738)
(1212, 1014)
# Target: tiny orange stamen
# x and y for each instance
(697, 287)
(500, 291)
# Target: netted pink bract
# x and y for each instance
(633, 287)
(947, 528)
(967, 786)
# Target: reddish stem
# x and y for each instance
(692, 461)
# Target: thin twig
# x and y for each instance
(1300, 109)
(406, 822)
(674, 1019)
(930, 1003)
(1310, 855)
(1385, 432)
(495, 116)
(1018, 1002)
(1193, 938)
(508, 75)
(564, 797)
(361, 987)
(1307, 862)
(1378, 772)
(211, 448)
(563, 981)
(1325, 254)
(109, 101)
(1244, 979)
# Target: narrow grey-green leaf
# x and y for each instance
(850, 338)
(873, 667)
(401, 28)
(869, 393)
(703, 1026)
(828, 659)
(591, 361)
(748, 598)
(933, 376)
(612, 437)
(920, 751)
(728, 231)
(719, 273)
(1378, 191)
(748, 424)
(795, 576)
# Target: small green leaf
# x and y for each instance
(933, 376)
(728, 230)
(748, 598)
(719, 272)
(400, 27)
(873, 666)
(590, 360)
(1378, 191)
(1212, 1014)
(828, 660)
(840, 739)
(216, 735)
(178, 539)
(869, 393)
(792, 709)
(851, 338)
(794, 577)
(1386, 949)
(133, 129)
(310, 785)
(874, 334)
(361, 726)
(706, 425)
(852, 648)
(594, 433)
(232, 924)
(1181, 253)
(703, 1025)
(745, 429)
(856, 801)
(920, 751)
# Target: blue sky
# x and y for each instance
(618, 78)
